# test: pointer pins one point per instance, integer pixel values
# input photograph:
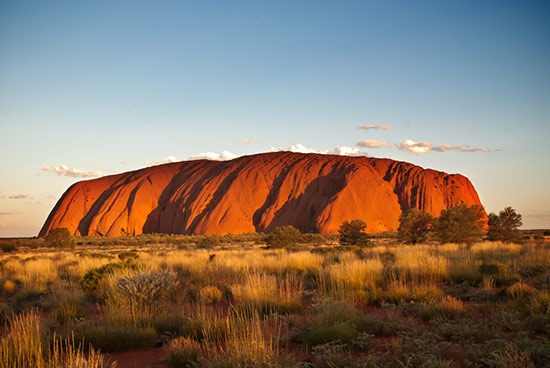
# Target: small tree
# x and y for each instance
(504, 226)
(60, 237)
(414, 226)
(460, 224)
(283, 236)
(353, 233)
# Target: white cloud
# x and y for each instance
(370, 143)
(425, 147)
(224, 156)
(167, 160)
(414, 147)
(379, 127)
(246, 141)
(339, 150)
(75, 173)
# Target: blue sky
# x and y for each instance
(109, 85)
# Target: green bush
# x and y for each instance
(353, 233)
(339, 322)
(111, 338)
(320, 333)
(283, 236)
(90, 281)
(60, 237)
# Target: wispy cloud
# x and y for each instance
(72, 172)
(446, 147)
(16, 196)
(50, 196)
(224, 156)
(246, 141)
(339, 150)
(167, 160)
(426, 147)
(124, 163)
(379, 127)
(475, 150)
(370, 143)
(2, 213)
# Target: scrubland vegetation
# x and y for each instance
(234, 302)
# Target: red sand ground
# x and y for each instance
(138, 359)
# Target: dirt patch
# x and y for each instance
(138, 358)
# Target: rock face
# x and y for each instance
(314, 193)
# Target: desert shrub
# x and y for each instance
(400, 292)
(22, 346)
(146, 287)
(540, 303)
(68, 305)
(460, 224)
(469, 274)
(509, 356)
(65, 353)
(210, 295)
(138, 298)
(60, 237)
(112, 338)
(353, 233)
(318, 334)
(505, 226)
(90, 281)
(519, 290)
(128, 255)
(538, 350)
(339, 322)
(208, 241)
(310, 238)
(183, 353)
(414, 226)
(499, 272)
(283, 236)
(8, 248)
(9, 286)
(416, 351)
(448, 307)
(335, 354)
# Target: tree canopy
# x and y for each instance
(504, 226)
(414, 226)
(460, 224)
(353, 233)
